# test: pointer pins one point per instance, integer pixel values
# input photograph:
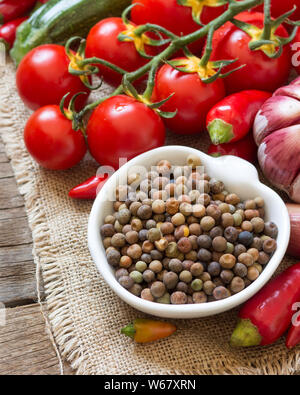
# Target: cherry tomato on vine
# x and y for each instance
(295, 46)
(280, 7)
(51, 141)
(103, 42)
(122, 127)
(260, 71)
(174, 17)
(192, 98)
(43, 78)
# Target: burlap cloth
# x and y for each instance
(84, 314)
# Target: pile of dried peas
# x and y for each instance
(177, 236)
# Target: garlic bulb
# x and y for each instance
(277, 133)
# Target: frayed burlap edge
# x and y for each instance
(59, 323)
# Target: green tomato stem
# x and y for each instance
(155, 28)
(151, 80)
(266, 35)
(208, 48)
(103, 62)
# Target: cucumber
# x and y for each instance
(58, 20)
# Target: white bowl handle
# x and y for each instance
(240, 168)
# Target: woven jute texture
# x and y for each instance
(85, 315)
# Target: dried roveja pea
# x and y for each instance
(178, 236)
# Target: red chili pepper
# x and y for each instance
(293, 336)
(145, 331)
(12, 9)
(232, 118)
(267, 315)
(244, 148)
(8, 31)
(89, 188)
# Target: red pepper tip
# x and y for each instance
(220, 131)
(245, 334)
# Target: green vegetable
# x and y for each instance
(58, 20)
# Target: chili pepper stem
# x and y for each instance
(220, 131)
(129, 331)
(245, 334)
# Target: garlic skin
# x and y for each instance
(276, 113)
(276, 131)
(279, 159)
(294, 245)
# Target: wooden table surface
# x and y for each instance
(25, 347)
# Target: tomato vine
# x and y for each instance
(86, 67)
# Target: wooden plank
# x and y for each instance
(9, 213)
(17, 274)
(6, 170)
(15, 254)
(15, 232)
(9, 194)
(17, 284)
(3, 157)
(17, 269)
(25, 348)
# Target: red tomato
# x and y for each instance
(43, 78)
(51, 141)
(174, 17)
(192, 98)
(122, 127)
(102, 42)
(295, 46)
(280, 7)
(260, 72)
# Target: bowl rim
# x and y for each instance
(187, 310)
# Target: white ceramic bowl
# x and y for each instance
(239, 177)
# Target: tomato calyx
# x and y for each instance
(77, 65)
(137, 35)
(192, 64)
(130, 90)
(265, 39)
(198, 5)
(71, 114)
(208, 71)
